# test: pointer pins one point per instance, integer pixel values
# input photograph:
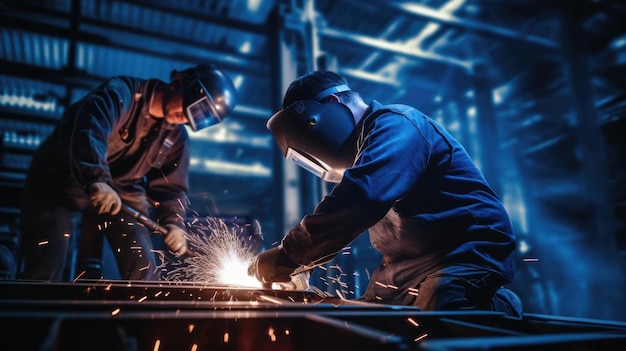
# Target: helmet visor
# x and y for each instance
(314, 165)
(319, 137)
(199, 107)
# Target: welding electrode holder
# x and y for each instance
(149, 223)
(143, 219)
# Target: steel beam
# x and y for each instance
(399, 49)
(427, 13)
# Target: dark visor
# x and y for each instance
(199, 107)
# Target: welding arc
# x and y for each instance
(149, 223)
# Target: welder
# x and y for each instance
(444, 235)
(123, 143)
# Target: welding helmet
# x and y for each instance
(319, 137)
(209, 96)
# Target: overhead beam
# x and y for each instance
(224, 21)
(430, 14)
(233, 60)
(399, 49)
(252, 111)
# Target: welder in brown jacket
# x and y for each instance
(125, 141)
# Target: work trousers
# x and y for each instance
(466, 287)
(55, 213)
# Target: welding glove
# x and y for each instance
(175, 239)
(272, 265)
(104, 198)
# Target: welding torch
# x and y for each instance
(149, 223)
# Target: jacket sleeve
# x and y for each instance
(392, 155)
(168, 186)
(94, 117)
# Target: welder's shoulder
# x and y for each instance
(124, 87)
(396, 115)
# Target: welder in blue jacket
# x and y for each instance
(446, 239)
(125, 141)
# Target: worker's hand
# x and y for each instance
(175, 239)
(272, 265)
(104, 198)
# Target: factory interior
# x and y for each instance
(535, 90)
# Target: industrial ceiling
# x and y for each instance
(550, 74)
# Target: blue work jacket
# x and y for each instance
(417, 192)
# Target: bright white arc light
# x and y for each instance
(234, 271)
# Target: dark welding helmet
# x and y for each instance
(320, 137)
(209, 96)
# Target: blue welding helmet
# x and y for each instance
(209, 96)
(319, 137)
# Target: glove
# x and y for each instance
(272, 265)
(104, 198)
(298, 281)
(175, 239)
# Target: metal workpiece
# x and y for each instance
(137, 315)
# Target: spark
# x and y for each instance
(339, 294)
(412, 321)
(530, 259)
(79, 276)
(337, 267)
(270, 332)
(421, 337)
(115, 312)
(222, 257)
(226, 336)
(157, 345)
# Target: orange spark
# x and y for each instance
(421, 337)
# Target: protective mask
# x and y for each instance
(320, 137)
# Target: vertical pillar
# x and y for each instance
(487, 127)
(590, 143)
(293, 47)
(607, 280)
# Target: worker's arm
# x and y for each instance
(392, 156)
(95, 115)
